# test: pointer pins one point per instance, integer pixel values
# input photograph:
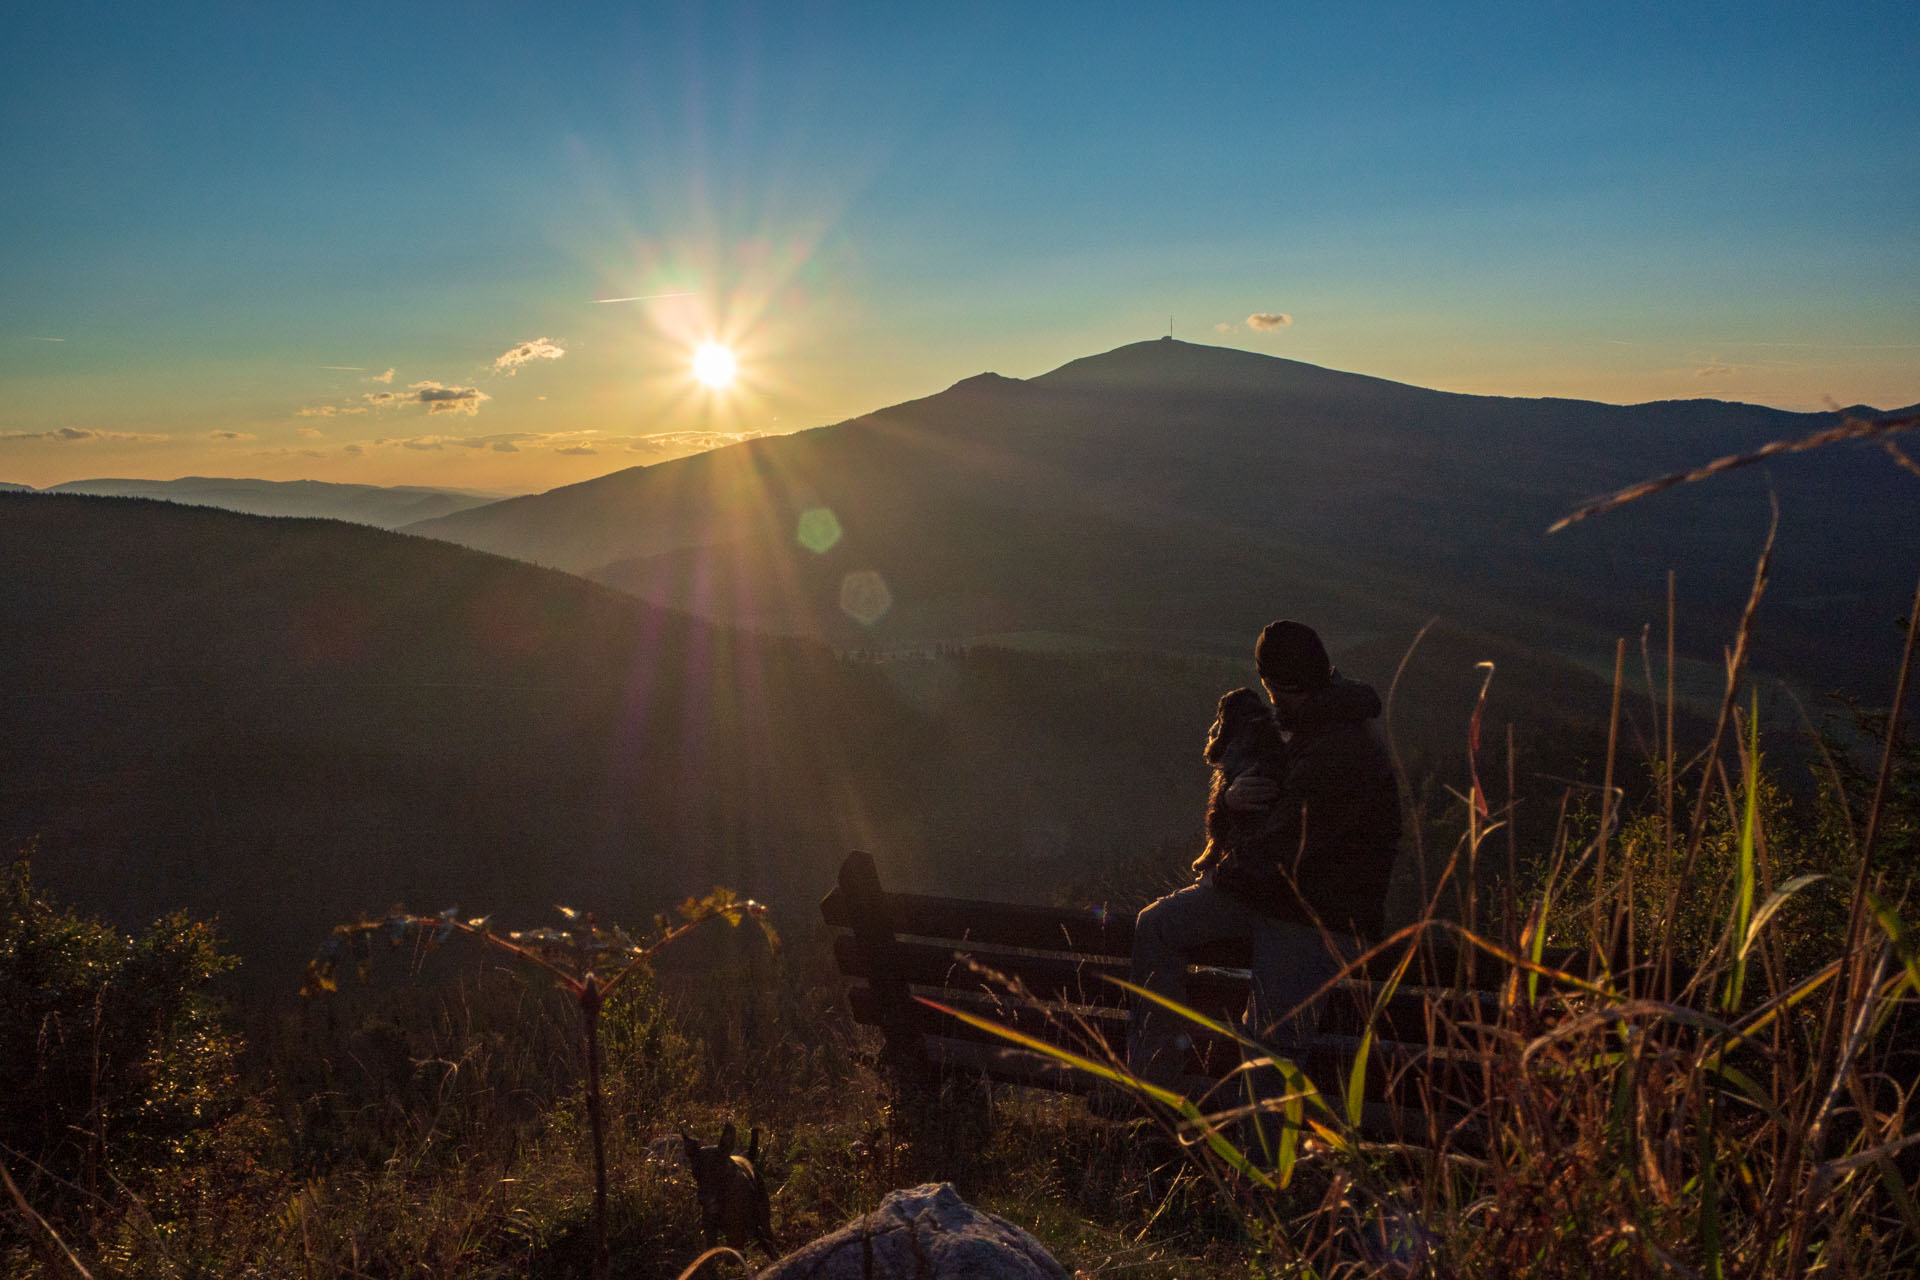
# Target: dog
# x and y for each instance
(1244, 739)
(733, 1198)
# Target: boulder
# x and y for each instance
(922, 1233)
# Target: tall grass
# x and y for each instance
(1722, 1084)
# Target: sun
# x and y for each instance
(714, 365)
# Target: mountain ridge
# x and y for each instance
(382, 506)
(1084, 499)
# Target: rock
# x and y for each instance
(923, 1233)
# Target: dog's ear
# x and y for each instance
(727, 1139)
(1235, 710)
(692, 1146)
(753, 1146)
(1217, 732)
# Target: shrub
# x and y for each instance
(114, 1063)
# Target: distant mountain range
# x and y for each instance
(384, 507)
(1174, 496)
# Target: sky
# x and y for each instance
(371, 243)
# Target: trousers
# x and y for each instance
(1292, 963)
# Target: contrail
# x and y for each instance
(644, 297)
(49, 339)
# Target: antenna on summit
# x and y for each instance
(1169, 326)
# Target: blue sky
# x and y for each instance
(208, 205)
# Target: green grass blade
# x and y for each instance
(1296, 1078)
(1896, 931)
(1066, 1057)
(1357, 1074)
(1743, 886)
(1535, 940)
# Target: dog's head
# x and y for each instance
(1240, 723)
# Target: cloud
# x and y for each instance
(1714, 369)
(1266, 320)
(75, 435)
(312, 433)
(688, 441)
(437, 398)
(532, 349)
(1223, 327)
(230, 435)
(382, 377)
(353, 450)
(424, 443)
(328, 410)
(507, 442)
(578, 449)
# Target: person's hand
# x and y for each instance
(1250, 791)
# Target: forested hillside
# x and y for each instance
(289, 722)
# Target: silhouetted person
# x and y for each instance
(1307, 889)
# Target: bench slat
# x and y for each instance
(1095, 933)
(1044, 1022)
(1218, 994)
(1082, 931)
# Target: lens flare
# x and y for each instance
(714, 365)
(819, 530)
(864, 596)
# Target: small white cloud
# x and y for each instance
(229, 435)
(329, 410)
(382, 377)
(312, 433)
(353, 450)
(1267, 320)
(578, 449)
(533, 349)
(1223, 327)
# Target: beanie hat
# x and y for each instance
(1290, 656)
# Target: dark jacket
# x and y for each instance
(1327, 849)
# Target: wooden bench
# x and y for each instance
(1044, 971)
